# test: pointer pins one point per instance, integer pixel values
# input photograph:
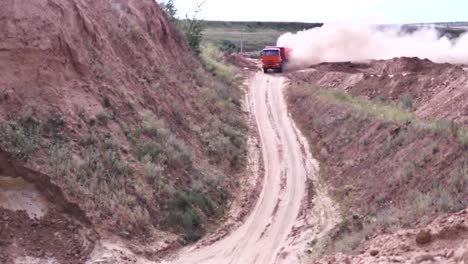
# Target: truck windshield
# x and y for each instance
(271, 53)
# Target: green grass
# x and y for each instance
(384, 111)
(212, 58)
(252, 41)
(23, 136)
(391, 112)
(256, 35)
(183, 215)
(257, 26)
(225, 140)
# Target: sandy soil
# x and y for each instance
(271, 233)
(16, 194)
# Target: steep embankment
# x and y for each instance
(438, 91)
(106, 111)
(389, 168)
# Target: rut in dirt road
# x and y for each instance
(270, 233)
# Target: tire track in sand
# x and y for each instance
(269, 234)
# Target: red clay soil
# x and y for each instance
(241, 61)
(57, 56)
(53, 236)
(376, 162)
(88, 71)
(377, 168)
(439, 90)
(445, 240)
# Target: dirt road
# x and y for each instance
(273, 232)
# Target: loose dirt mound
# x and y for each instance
(241, 62)
(438, 90)
(446, 241)
(54, 237)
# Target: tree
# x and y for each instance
(170, 9)
(192, 27)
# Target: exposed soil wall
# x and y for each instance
(106, 110)
(387, 173)
(374, 162)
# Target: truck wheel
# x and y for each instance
(280, 70)
(265, 70)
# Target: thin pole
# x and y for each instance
(242, 41)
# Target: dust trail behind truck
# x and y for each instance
(275, 58)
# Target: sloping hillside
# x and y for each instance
(436, 90)
(392, 142)
(106, 111)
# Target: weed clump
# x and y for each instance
(408, 102)
(22, 136)
(183, 215)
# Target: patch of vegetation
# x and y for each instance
(254, 35)
(408, 102)
(229, 46)
(153, 126)
(170, 9)
(135, 31)
(351, 241)
(212, 58)
(446, 128)
(55, 123)
(154, 173)
(4, 96)
(192, 27)
(383, 111)
(104, 117)
(131, 131)
(99, 169)
(386, 111)
(178, 155)
(225, 138)
(160, 151)
(183, 215)
(22, 136)
(169, 151)
(107, 102)
(259, 26)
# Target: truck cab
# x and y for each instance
(274, 58)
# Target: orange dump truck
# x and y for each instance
(275, 58)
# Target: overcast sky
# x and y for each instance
(373, 11)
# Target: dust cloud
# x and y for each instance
(345, 41)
